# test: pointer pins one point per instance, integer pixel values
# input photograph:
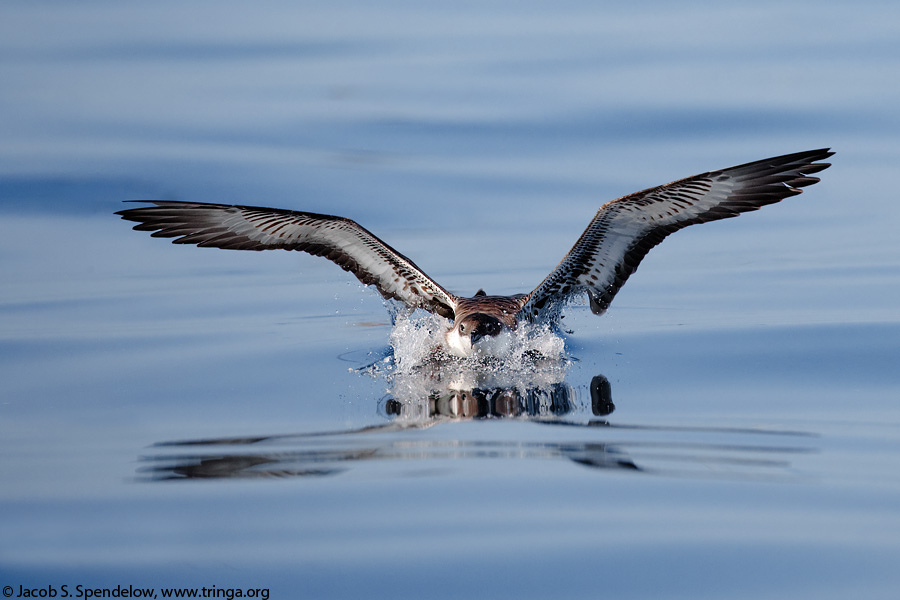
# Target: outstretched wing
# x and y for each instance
(624, 230)
(340, 240)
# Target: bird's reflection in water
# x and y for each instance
(414, 406)
(552, 399)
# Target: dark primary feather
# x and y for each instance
(340, 240)
(624, 230)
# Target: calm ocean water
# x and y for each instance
(182, 417)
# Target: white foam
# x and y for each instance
(418, 339)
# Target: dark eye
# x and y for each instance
(462, 327)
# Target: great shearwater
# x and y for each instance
(606, 254)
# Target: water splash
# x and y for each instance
(427, 385)
(418, 340)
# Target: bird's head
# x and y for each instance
(478, 333)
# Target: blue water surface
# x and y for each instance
(182, 417)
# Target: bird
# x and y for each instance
(606, 254)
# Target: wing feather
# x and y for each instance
(340, 240)
(623, 231)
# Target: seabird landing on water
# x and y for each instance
(606, 254)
